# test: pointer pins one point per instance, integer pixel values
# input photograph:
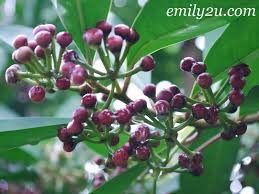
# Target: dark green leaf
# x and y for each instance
(79, 15)
(20, 176)
(251, 104)
(121, 182)
(28, 130)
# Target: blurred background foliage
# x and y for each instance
(45, 168)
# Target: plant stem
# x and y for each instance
(106, 63)
(184, 124)
(193, 101)
(221, 90)
(130, 73)
(60, 54)
(183, 147)
(156, 175)
(110, 97)
(54, 56)
(89, 67)
(48, 59)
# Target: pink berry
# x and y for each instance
(37, 93)
(51, 28)
(199, 111)
(80, 114)
(39, 52)
(93, 37)
(78, 75)
(106, 27)
(139, 105)
(120, 158)
(19, 41)
(63, 135)
(162, 107)
(123, 116)
(122, 30)
(40, 28)
(89, 100)
(23, 54)
(174, 89)
(105, 117)
(67, 68)
(32, 44)
(237, 81)
(147, 63)
(142, 133)
(10, 74)
(114, 44)
(74, 127)
(184, 161)
(69, 56)
(142, 153)
(63, 83)
(64, 39)
(43, 38)
(236, 97)
(204, 80)
(198, 68)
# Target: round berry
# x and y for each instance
(10, 74)
(120, 158)
(80, 114)
(196, 169)
(23, 54)
(69, 146)
(241, 69)
(63, 83)
(43, 38)
(19, 41)
(63, 135)
(37, 93)
(93, 37)
(237, 81)
(204, 80)
(70, 56)
(74, 127)
(142, 133)
(174, 90)
(178, 101)
(212, 115)
(89, 100)
(127, 147)
(227, 135)
(139, 105)
(240, 129)
(132, 37)
(198, 68)
(197, 157)
(199, 111)
(149, 90)
(105, 117)
(106, 27)
(64, 39)
(187, 63)
(95, 119)
(32, 44)
(147, 63)
(130, 107)
(78, 75)
(114, 44)
(164, 95)
(40, 28)
(184, 161)
(39, 52)
(123, 116)
(236, 97)
(67, 68)
(51, 28)
(122, 30)
(162, 107)
(114, 140)
(142, 153)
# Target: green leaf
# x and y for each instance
(235, 46)
(9, 32)
(18, 155)
(251, 104)
(121, 182)
(162, 31)
(219, 159)
(79, 15)
(28, 130)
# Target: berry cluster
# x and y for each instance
(194, 163)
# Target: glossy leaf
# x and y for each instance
(251, 104)
(121, 182)
(162, 31)
(79, 15)
(28, 130)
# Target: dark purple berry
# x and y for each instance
(63, 83)
(78, 75)
(142, 153)
(69, 146)
(240, 129)
(162, 107)
(227, 135)
(237, 81)
(140, 105)
(122, 30)
(147, 63)
(74, 127)
(106, 27)
(127, 147)
(132, 37)
(89, 100)
(80, 115)
(130, 107)
(23, 54)
(236, 97)
(142, 133)
(178, 101)
(32, 44)
(95, 119)
(241, 69)
(39, 52)
(164, 95)
(67, 68)
(70, 56)
(184, 161)
(63, 134)
(149, 90)
(114, 140)
(120, 158)
(114, 44)
(10, 74)
(64, 39)
(197, 157)
(187, 63)
(204, 80)
(212, 115)
(43, 38)
(198, 68)
(19, 41)
(105, 117)
(93, 37)
(174, 90)
(196, 169)
(36, 93)
(123, 116)
(199, 111)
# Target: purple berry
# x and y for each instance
(162, 107)
(40, 28)
(114, 140)
(187, 63)
(178, 101)
(32, 44)
(19, 41)
(78, 75)
(43, 38)
(142, 133)
(212, 115)
(10, 74)
(198, 68)
(199, 111)
(63, 135)
(147, 63)
(122, 30)
(241, 69)
(114, 44)
(63, 83)
(37, 93)
(127, 147)
(132, 37)
(98, 160)
(39, 52)
(155, 134)
(74, 127)
(196, 169)
(236, 97)
(120, 158)
(23, 54)
(240, 129)
(70, 56)
(89, 100)
(174, 90)
(142, 153)
(123, 116)
(64, 39)
(164, 95)
(95, 119)
(80, 115)
(93, 37)
(67, 68)
(149, 90)
(69, 146)
(106, 27)
(139, 105)
(130, 107)
(237, 81)
(105, 117)
(197, 157)
(184, 161)
(51, 28)
(204, 80)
